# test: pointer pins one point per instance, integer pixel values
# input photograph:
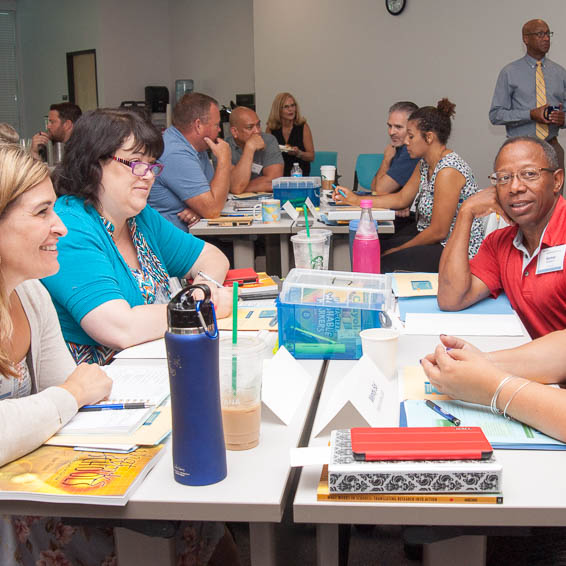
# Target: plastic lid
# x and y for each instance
(366, 203)
(314, 239)
(182, 310)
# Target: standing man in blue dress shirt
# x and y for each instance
(189, 188)
(514, 103)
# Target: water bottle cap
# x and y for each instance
(366, 203)
(182, 311)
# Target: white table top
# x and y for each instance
(254, 489)
(534, 489)
(256, 227)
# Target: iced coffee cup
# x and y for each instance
(327, 174)
(241, 368)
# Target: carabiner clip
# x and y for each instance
(204, 326)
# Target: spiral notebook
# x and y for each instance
(132, 384)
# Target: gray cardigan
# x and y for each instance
(29, 421)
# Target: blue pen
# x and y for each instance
(339, 190)
(454, 420)
(114, 406)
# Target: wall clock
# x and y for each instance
(395, 7)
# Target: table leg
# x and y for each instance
(284, 251)
(327, 545)
(262, 544)
(135, 549)
(341, 252)
(243, 252)
(463, 550)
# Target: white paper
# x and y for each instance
(312, 208)
(290, 210)
(364, 397)
(283, 385)
(149, 350)
(463, 324)
(311, 456)
(138, 384)
(107, 421)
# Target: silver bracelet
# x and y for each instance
(493, 405)
(513, 397)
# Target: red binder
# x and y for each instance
(242, 275)
(420, 443)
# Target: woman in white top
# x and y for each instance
(40, 387)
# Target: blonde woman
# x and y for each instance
(40, 386)
(290, 128)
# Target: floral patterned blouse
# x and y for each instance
(152, 279)
(425, 197)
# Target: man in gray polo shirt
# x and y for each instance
(256, 158)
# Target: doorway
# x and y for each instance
(81, 76)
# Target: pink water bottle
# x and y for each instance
(366, 249)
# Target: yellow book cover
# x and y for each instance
(252, 318)
(416, 284)
(62, 474)
(323, 494)
(417, 386)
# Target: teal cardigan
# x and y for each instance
(92, 270)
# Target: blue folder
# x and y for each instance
(501, 305)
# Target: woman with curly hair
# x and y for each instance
(439, 186)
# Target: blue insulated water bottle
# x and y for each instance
(199, 454)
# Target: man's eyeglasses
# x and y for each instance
(527, 175)
(541, 34)
(140, 168)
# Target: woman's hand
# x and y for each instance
(463, 373)
(222, 300)
(342, 195)
(88, 384)
(220, 296)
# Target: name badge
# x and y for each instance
(256, 168)
(551, 259)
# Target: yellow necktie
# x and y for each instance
(541, 129)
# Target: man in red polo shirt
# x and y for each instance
(526, 259)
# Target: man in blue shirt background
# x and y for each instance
(189, 188)
(397, 166)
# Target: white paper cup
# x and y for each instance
(380, 345)
(328, 174)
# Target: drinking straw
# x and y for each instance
(234, 336)
(308, 232)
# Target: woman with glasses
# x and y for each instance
(113, 285)
(293, 133)
(439, 186)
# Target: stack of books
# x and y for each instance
(407, 481)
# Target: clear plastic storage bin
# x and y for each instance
(296, 190)
(321, 313)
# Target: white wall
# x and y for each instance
(138, 43)
(48, 29)
(348, 61)
(133, 49)
(212, 43)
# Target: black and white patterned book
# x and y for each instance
(347, 475)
